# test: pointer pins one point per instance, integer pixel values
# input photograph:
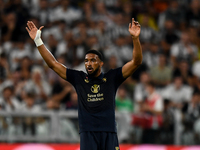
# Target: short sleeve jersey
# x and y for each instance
(96, 99)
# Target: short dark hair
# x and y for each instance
(95, 52)
(10, 87)
(151, 83)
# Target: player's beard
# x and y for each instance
(94, 72)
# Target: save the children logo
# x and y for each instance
(95, 88)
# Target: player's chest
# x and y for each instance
(95, 90)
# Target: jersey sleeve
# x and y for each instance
(71, 76)
(119, 79)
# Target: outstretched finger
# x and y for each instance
(27, 30)
(29, 26)
(129, 25)
(133, 21)
(32, 24)
(138, 25)
(41, 28)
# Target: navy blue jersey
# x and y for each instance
(96, 99)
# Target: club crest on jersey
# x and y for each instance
(86, 80)
(95, 88)
(104, 79)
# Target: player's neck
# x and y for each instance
(97, 74)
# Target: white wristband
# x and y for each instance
(38, 40)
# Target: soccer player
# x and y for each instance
(96, 90)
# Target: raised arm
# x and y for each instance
(34, 33)
(131, 66)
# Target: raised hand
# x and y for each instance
(134, 29)
(32, 29)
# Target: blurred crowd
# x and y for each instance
(167, 80)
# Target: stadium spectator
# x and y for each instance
(184, 49)
(151, 54)
(87, 11)
(184, 71)
(61, 91)
(177, 92)
(161, 74)
(9, 28)
(151, 110)
(153, 104)
(72, 104)
(139, 92)
(58, 31)
(4, 68)
(191, 111)
(25, 68)
(101, 13)
(169, 33)
(52, 105)
(174, 13)
(39, 85)
(194, 37)
(42, 12)
(8, 101)
(123, 103)
(13, 80)
(42, 126)
(196, 68)
(120, 49)
(29, 105)
(193, 13)
(166, 132)
(148, 34)
(112, 63)
(18, 52)
(65, 12)
(28, 126)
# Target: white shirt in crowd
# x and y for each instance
(179, 50)
(183, 94)
(196, 69)
(7, 107)
(69, 15)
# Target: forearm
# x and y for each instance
(137, 51)
(47, 55)
(42, 93)
(35, 35)
(60, 96)
(136, 61)
(155, 112)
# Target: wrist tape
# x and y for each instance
(38, 40)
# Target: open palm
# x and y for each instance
(134, 28)
(32, 29)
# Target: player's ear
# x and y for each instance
(101, 63)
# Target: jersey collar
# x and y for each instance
(100, 77)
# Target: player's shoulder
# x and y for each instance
(75, 71)
(114, 71)
(72, 73)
